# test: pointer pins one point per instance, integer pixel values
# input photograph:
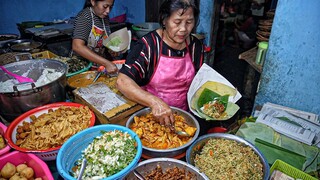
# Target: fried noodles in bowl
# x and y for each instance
(45, 129)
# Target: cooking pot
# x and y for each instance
(23, 45)
(23, 97)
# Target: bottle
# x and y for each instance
(261, 53)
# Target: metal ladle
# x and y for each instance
(179, 132)
(138, 175)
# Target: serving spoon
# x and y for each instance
(138, 175)
(82, 168)
(21, 79)
(179, 132)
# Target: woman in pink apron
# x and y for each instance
(91, 25)
(160, 68)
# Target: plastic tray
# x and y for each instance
(80, 71)
(41, 169)
(290, 170)
(3, 129)
(44, 55)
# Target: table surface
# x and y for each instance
(250, 57)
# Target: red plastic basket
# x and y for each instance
(47, 154)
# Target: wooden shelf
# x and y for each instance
(250, 57)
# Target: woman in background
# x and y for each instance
(161, 66)
(91, 25)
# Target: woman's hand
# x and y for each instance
(110, 67)
(162, 112)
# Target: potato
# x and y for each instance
(15, 177)
(2, 142)
(21, 167)
(8, 170)
(27, 172)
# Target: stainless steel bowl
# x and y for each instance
(173, 151)
(196, 147)
(145, 167)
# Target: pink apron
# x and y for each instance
(171, 79)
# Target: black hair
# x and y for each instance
(87, 3)
(169, 6)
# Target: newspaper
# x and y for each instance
(314, 118)
(290, 125)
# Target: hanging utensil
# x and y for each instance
(21, 79)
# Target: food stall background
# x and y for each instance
(17, 11)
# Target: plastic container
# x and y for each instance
(40, 168)
(144, 28)
(290, 170)
(6, 149)
(72, 149)
(46, 154)
(261, 53)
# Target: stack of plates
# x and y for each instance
(264, 27)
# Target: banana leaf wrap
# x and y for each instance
(205, 95)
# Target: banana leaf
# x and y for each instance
(218, 88)
(207, 95)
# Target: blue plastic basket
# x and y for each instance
(71, 150)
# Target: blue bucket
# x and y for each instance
(72, 149)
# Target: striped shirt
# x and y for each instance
(83, 24)
(143, 57)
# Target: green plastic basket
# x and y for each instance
(290, 170)
(80, 71)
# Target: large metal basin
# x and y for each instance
(24, 97)
(145, 167)
(173, 152)
(196, 148)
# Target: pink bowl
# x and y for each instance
(40, 168)
(3, 129)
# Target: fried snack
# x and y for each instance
(2, 142)
(154, 135)
(52, 129)
(8, 170)
(170, 173)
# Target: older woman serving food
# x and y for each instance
(160, 68)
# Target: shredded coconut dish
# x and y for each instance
(228, 159)
(108, 154)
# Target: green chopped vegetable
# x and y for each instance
(114, 42)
